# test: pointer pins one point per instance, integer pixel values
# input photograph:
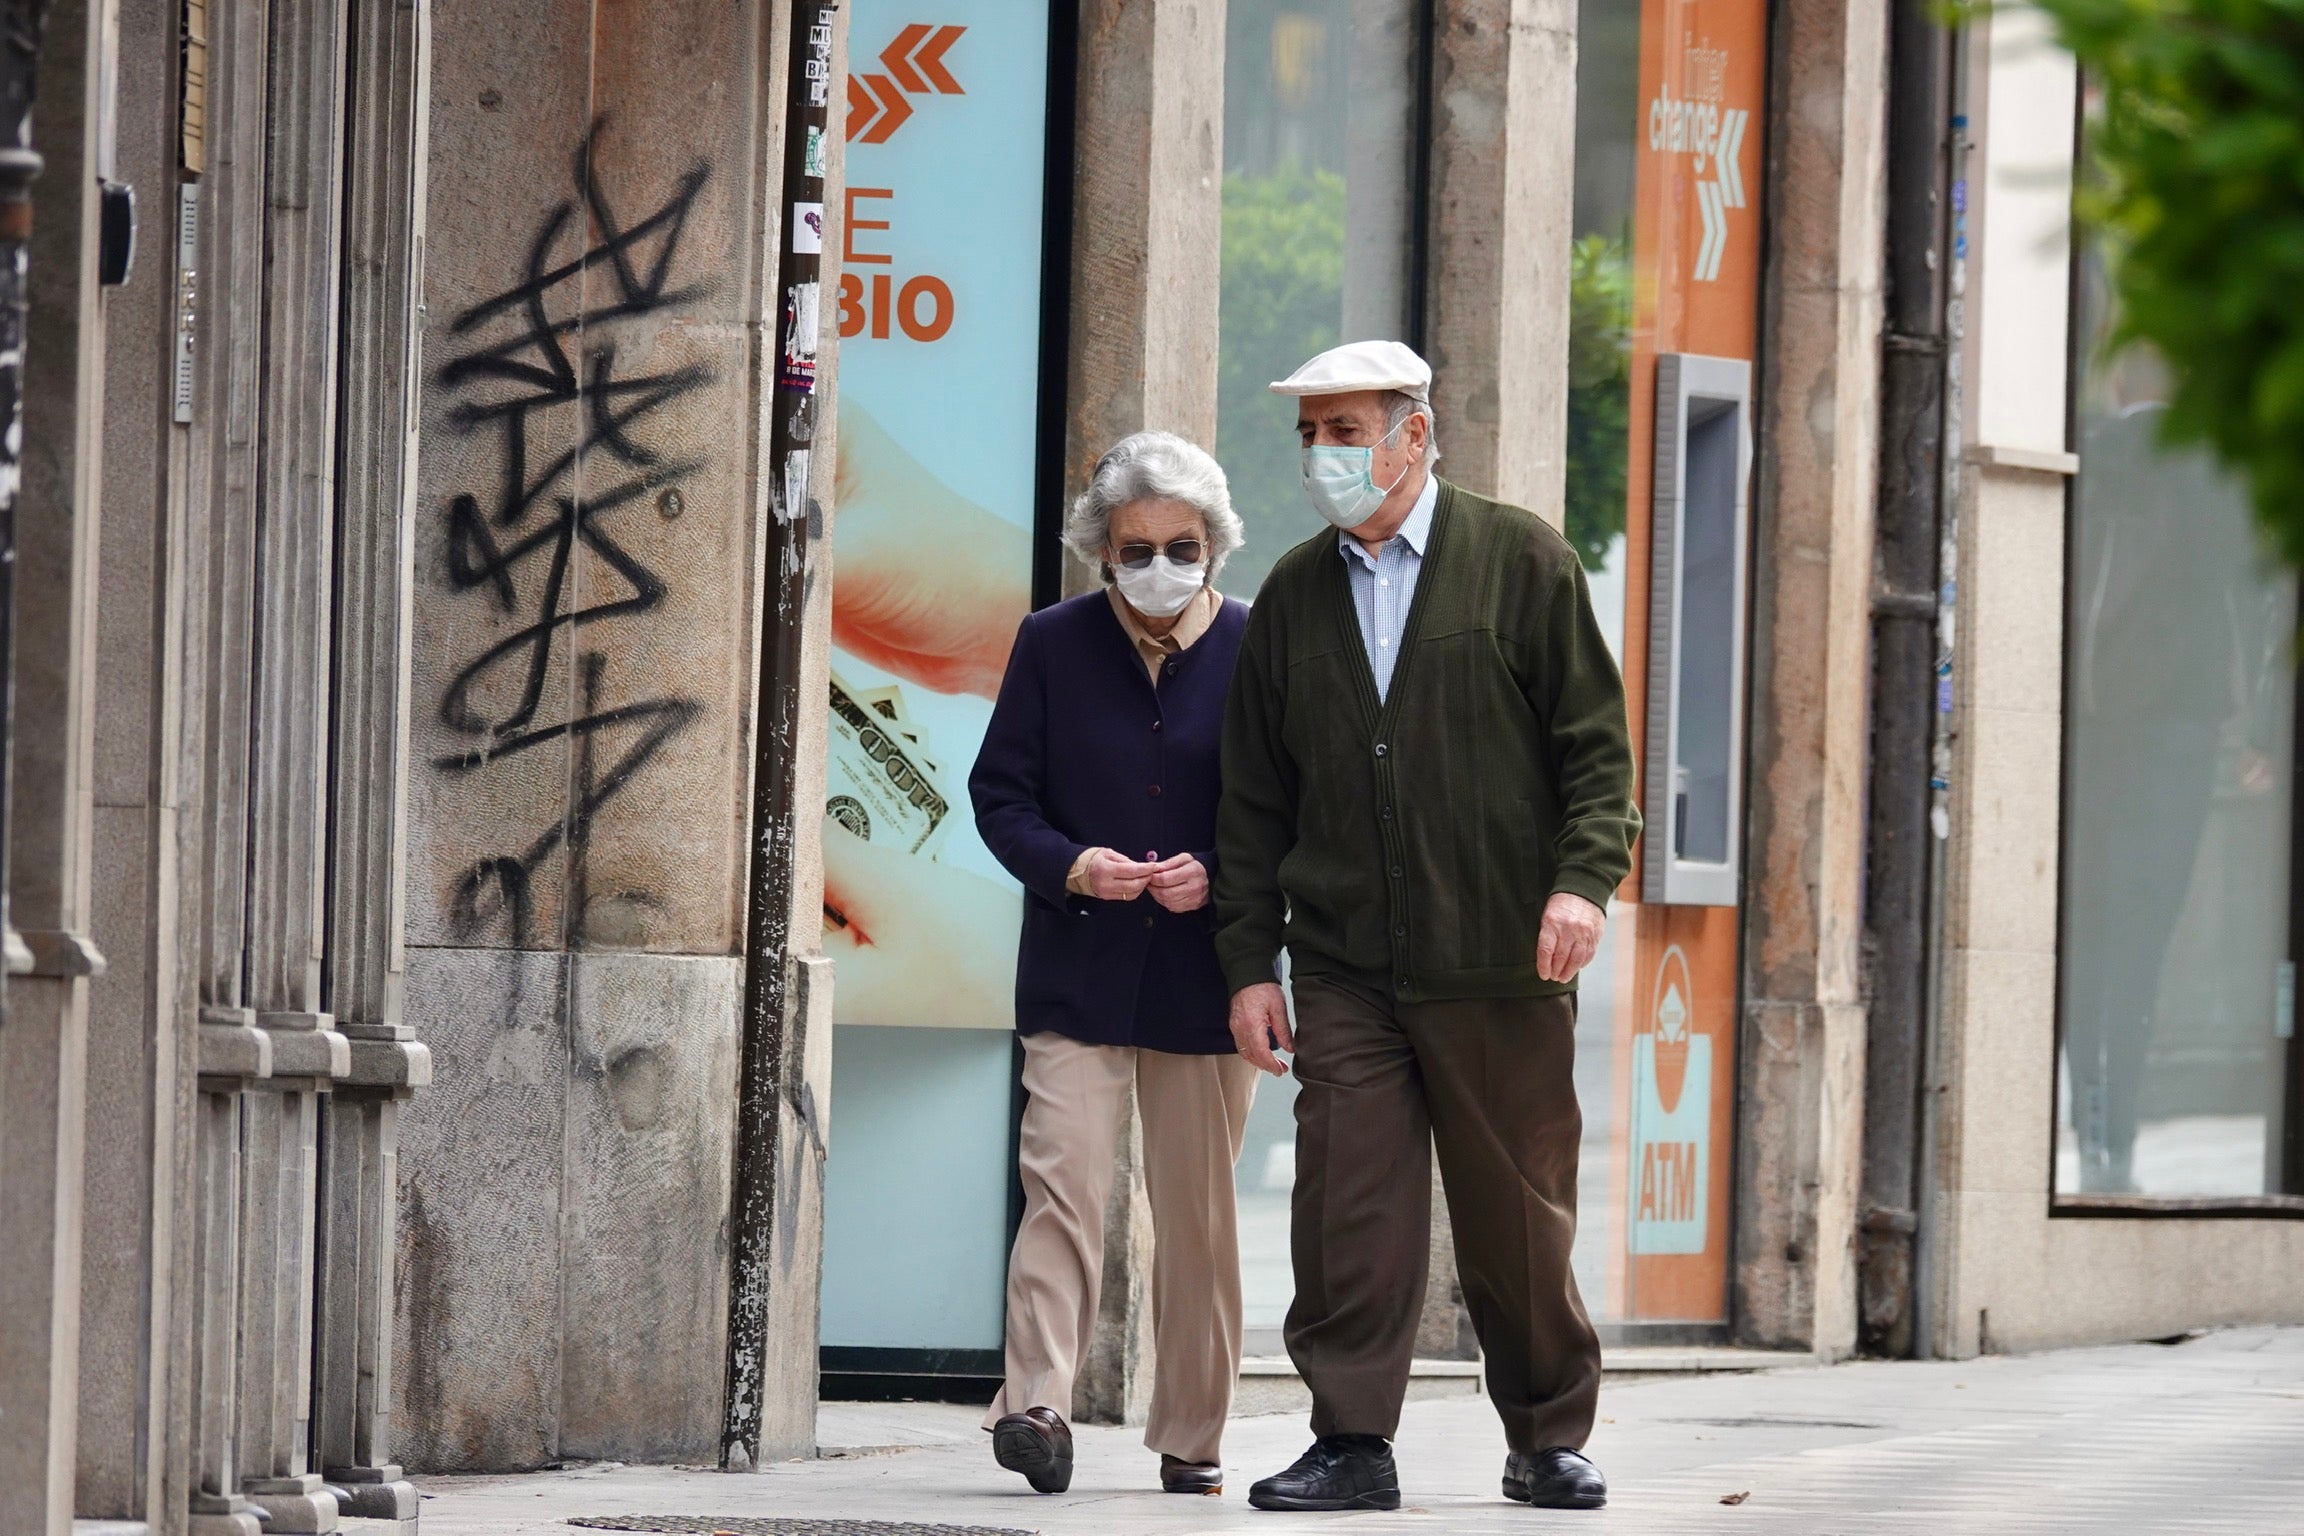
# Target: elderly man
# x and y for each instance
(1427, 800)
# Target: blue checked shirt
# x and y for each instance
(1384, 584)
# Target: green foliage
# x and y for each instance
(1282, 296)
(1599, 393)
(2195, 190)
(1281, 301)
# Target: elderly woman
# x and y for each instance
(1097, 788)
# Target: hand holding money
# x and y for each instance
(1110, 877)
(879, 781)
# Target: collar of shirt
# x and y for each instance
(1191, 624)
(1417, 530)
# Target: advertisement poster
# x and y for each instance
(938, 310)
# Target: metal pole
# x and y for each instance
(768, 1087)
(1904, 695)
(1924, 1243)
(21, 25)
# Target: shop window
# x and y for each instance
(1321, 111)
(2177, 1069)
(1322, 105)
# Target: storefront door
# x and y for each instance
(1665, 309)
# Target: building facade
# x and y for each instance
(510, 577)
(2114, 1145)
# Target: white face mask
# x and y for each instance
(1341, 483)
(1163, 588)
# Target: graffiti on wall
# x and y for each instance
(542, 376)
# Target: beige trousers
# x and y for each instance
(1194, 1110)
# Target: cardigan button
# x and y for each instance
(1153, 791)
(1387, 813)
(1398, 872)
(1147, 920)
(1382, 749)
(1155, 725)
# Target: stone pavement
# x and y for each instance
(2202, 1435)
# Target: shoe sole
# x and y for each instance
(1206, 1493)
(1520, 1493)
(1020, 1450)
(1377, 1499)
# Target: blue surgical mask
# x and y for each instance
(1341, 483)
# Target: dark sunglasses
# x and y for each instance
(1182, 551)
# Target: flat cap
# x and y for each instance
(1358, 365)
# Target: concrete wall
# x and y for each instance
(601, 181)
(2006, 1275)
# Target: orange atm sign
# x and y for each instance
(1696, 289)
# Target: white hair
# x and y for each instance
(1154, 466)
(1399, 405)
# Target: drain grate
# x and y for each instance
(775, 1525)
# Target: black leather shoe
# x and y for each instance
(1338, 1472)
(1190, 1476)
(1555, 1479)
(1037, 1443)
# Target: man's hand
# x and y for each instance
(1180, 884)
(1571, 933)
(1260, 1025)
(1113, 878)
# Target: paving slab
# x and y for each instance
(2202, 1435)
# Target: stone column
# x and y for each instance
(384, 177)
(600, 338)
(43, 1044)
(259, 467)
(1147, 232)
(1799, 1142)
(137, 1171)
(293, 632)
(1502, 185)
(1147, 225)
(1503, 172)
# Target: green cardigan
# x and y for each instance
(1412, 845)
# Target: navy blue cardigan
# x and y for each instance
(1083, 752)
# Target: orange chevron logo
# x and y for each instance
(915, 64)
(876, 109)
(919, 51)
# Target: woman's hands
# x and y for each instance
(1179, 883)
(1110, 877)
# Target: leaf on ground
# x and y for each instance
(1735, 1498)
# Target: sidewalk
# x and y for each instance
(2203, 1435)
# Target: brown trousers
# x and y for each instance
(1194, 1111)
(1489, 1081)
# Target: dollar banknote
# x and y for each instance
(879, 784)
